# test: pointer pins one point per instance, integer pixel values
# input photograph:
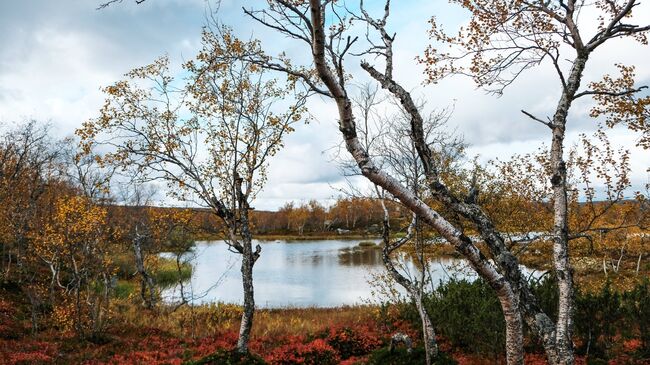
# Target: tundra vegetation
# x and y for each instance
(81, 271)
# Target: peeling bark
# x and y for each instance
(561, 264)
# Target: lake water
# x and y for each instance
(323, 273)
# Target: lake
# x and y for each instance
(318, 273)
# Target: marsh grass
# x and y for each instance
(166, 273)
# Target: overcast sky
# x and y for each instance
(55, 56)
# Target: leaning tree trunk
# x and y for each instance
(508, 294)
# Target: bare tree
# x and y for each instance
(387, 140)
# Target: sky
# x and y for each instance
(56, 55)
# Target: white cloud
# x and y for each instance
(55, 56)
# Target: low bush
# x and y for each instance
(229, 357)
(606, 323)
(316, 352)
(636, 309)
(468, 314)
(123, 289)
(384, 356)
(167, 274)
(348, 342)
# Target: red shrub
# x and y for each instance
(316, 352)
(348, 342)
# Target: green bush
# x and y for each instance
(400, 356)
(636, 309)
(598, 319)
(469, 315)
(229, 357)
(124, 288)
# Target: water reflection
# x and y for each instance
(323, 273)
(360, 256)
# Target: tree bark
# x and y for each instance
(249, 298)
(249, 257)
(147, 281)
(561, 262)
(428, 332)
(462, 243)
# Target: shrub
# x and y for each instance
(470, 317)
(597, 321)
(348, 342)
(636, 308)
(229, 357)
(316, 352)
(400, 356)
(468, 314)
(167, 273)
(123, 289)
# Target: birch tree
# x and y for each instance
(209, 140)
(506, 38)
(324, 28)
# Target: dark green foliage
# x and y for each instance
(546, 291)
(597, 320)
(636, 309)
(399, 356)
(229, 357)
(468, 314)
(596, 361)
(123, 289)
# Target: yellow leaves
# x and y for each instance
(75, 221)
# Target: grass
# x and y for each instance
(166, 274)
(205, 320)
(124, 289)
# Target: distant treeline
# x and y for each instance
(348, 215)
